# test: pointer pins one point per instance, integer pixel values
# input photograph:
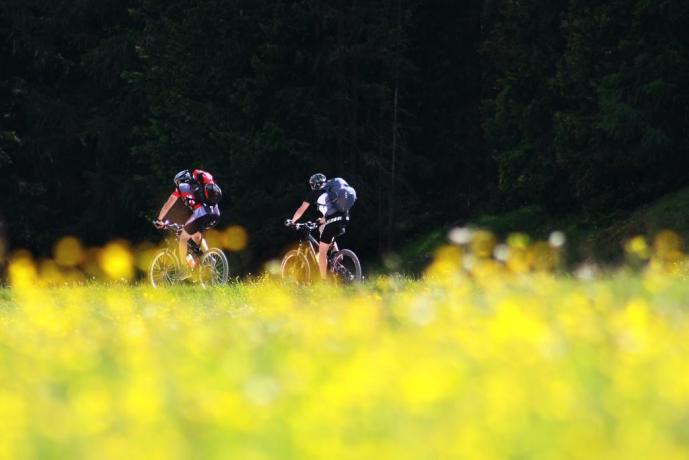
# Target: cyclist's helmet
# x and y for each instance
(183, 176)
(317, 181)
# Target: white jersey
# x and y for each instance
(319, 199)
(323, 204)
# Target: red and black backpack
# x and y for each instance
(207, 192)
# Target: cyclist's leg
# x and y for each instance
(191, 231)
(205, 223)
(323, 249)
(203, 244)
(338, 230)
(199, 240)
(184, 238)
(208, 218)
(200, 220)
(328, 235)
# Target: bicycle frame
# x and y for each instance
(192, 247)
(308, 240)
(347, 272)
(214, 267)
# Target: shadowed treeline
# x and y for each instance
(434, 111)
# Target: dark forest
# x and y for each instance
(435, 111)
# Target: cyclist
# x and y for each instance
(333, 223)
(190, 188)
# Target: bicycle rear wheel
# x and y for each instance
(346, 266)
(295, 267)
(164, 269)
(214, 268)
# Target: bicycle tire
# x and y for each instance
(300, 273)
(215, 269)
(347, 273)
(163, 270)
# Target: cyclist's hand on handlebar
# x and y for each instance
(288, 223)
(320, 220)
(159, 224)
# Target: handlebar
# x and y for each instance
(167, 225)
(303, 226)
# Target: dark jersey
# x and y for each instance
(311, 197)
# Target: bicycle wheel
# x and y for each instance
(295, 267)
(164, 269)
(214, 268)
(346, 267)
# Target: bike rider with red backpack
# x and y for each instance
(199, 192)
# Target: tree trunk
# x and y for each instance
(393, 152)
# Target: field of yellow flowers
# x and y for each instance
(486, 363)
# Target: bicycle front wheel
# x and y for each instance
(164, 269)
(346, 266)
(295, 267)
(214, 268)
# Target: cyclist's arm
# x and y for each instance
(167, 206)
(300, 212)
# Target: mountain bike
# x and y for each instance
(299, 264)
(211, 267)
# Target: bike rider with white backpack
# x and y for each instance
(333, 198)
(199, 192)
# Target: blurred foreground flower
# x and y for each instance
(638, 247)
(117, 260)
(235, 238)
(68, 252)
(22, 271)
(667, 246)
(460, 235)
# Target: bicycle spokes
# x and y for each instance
(346, 267)
(214, 268)
(164, 269)
(343, 273)
(295, 267)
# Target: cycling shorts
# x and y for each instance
(202, 218)
(333, 230)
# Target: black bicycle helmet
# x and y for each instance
(317, 181)
(183, 176)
